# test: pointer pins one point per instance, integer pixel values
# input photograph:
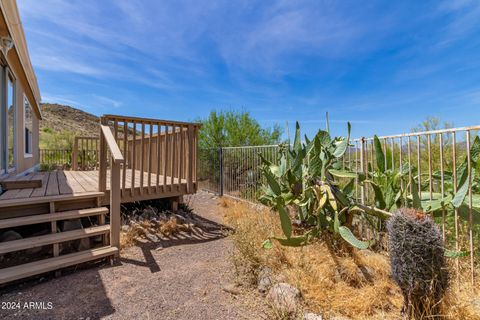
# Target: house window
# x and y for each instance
(11, 114)
(28, 126)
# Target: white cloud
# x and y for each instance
(52, 62)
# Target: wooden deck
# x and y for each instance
(57, 183)
(133, 159)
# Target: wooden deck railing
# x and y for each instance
(160, 156)
(85, 153)
(116, 159)
(60, 158)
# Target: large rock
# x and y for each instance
(81, 244)
(10, 235)
(231, 288)
(36, 250)
(70, 225)
(264, 279)
(476, 305)
(284, 297)
(149, 213)
(312, 316)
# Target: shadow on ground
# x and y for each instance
(205, 231)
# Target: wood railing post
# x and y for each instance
(75, 155)
(190, 158)
(102, 179)
(115, 204)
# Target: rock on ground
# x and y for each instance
(10, 235)
(284, 297)
(264, 279)
(312, 316)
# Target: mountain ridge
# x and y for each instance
(61, 118)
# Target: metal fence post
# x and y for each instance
(362, 168)
(220, 154)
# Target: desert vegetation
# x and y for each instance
(313, 240)
(352, 283)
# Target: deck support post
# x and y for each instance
(175, 201)
(115, 205)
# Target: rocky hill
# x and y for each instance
(58, 118)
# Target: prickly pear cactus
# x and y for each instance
(417, 262)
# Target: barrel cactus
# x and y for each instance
(418, 263)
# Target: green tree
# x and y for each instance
(235, 128)
(432, 124)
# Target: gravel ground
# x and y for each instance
(183, 278)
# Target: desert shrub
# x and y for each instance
(59, 140)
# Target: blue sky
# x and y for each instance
(383, 65)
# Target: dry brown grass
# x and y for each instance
(331, 284)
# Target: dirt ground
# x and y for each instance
(182, 278)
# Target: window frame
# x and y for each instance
(3, 119)
(27, 140)
(10, 76)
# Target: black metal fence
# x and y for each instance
(234, 171)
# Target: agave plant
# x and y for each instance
(305, 185)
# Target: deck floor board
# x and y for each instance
(78, 182)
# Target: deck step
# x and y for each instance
(47, 217)
(21, 184)
(42, 266)
(38, 241)
(47, 199)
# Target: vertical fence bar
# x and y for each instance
(356, 169)
(393, 153)
(385, 152)
(372, 156)
(454, 158)
(220, 157)
(362, 166)
(442, 183)
(409, 150)
(470, 211)
(430, 183)
(419, 169)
